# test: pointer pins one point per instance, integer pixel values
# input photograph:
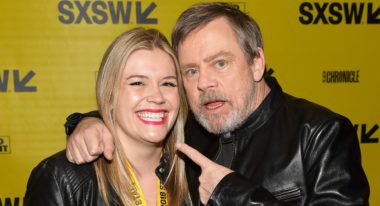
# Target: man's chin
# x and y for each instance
(214, 127)
(219, 124)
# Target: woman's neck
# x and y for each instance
(144, 162)
(144, 158)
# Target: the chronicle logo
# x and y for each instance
(339, 13)
(19, 83)
(102, 12)
(340, 76)
(5, 145)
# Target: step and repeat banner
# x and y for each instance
(50, 50)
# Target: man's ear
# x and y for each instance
(258, 66)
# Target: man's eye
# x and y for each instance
(221, 63)
(169, 84)
(136, 83)
(190, 72)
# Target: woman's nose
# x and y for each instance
(156, 96)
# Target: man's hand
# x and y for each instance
(89, 140)
(211, 175)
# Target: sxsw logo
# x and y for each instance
(339, 13)
(5, 145)
(101, 12)
(19, 82)
(7, 201)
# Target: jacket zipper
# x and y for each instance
(288, 194)
(224, 141)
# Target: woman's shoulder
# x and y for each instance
(58, 169)
(56, 181)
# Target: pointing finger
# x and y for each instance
(194, 155)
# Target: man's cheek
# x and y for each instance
(193, 102)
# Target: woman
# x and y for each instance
(141, 99)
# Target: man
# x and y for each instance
(266, 147)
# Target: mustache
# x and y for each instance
(210, 96)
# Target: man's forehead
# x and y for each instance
(209, 26)
(206, 46)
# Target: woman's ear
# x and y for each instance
(258, 66)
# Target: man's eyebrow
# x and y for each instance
(218, 54)
(190, 65)
(207, 59)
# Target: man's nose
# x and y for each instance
(206, 81)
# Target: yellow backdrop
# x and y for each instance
(325, 51)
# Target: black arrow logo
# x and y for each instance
(366, 136)
(142, 17)
(372, 16)
(20, 86)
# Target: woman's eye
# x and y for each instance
(169, 84)
(136, 83)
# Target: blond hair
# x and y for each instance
(115, 173)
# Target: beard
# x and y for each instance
(224, 123)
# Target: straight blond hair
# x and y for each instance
(114, 175)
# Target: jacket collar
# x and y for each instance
(265, 110)
(163, 168)
(161, 172)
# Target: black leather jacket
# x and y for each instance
(288, 152)
(56, 181)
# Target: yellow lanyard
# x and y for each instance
(162, 195)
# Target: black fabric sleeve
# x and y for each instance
(73, 119)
